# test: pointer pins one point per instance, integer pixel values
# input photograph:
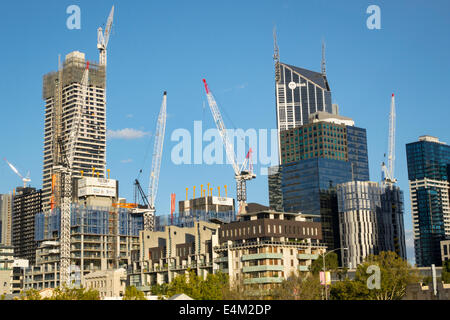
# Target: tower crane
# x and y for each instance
(103, 38)
(156, 163)
(245, 172)
(388, 171)
(64, 169)
(24, 179)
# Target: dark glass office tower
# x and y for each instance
(309, 186)
(331, 137)
(428, 174)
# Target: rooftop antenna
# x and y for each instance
(324, 69)
(276, 55)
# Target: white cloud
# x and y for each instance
(126, 133)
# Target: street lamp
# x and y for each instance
(324, 269)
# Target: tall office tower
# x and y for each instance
(27, 203)
(299, 93)
(428, 173)
(5, 219)
(391, 228)
(315, 157)
(61, 103)
(359, 210)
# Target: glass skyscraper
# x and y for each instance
(428, 173)
(309, 186)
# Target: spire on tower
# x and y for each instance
(324, 70)
(276, 55)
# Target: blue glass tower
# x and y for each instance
(428, 174)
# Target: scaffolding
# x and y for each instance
(89, 220)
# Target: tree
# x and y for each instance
(395, 274)
(30, 294)
(81, 293)
(298, 287)
(331, 263)
(348, 290)
(214, 286)
(132, 293)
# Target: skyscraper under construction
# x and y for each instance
(63, 96)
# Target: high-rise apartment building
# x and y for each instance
(428, 173)
(60, 108)
(27, 203)
(359, 208)
(5, 219)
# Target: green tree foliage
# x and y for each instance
(159, 290)
(30, 294)
(132, 293)
(349, 290)
(331, 263)
(212, 288)
(395, 275)
(446, 271)
(63, 293)
(66, 293)
(298, 287)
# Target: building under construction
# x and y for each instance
(62, 93)
(102, 238)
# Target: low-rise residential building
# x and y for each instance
(165, 254)
(109, 283)
(261, 249)
(11, 271)
(265, 247)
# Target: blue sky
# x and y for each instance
(170, 46)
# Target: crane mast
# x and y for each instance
(64, 170)
(156, 163)
(241, 174)
(388, 171)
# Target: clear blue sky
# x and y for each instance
(172, 45)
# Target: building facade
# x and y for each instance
(27, 203)
(428, 173)
(102, 238)
(109, 283)
(163, 255)
(264, 248)
(359, 211)
(309, 186)
(391, 227)
(6, 206)
(328, 136)
(90, 149)
(445, 250)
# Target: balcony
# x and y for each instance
(263, 280)
(307, 256)
(259, 256)
(303, 268)
(262, 268)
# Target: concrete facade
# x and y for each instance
(109, 283)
